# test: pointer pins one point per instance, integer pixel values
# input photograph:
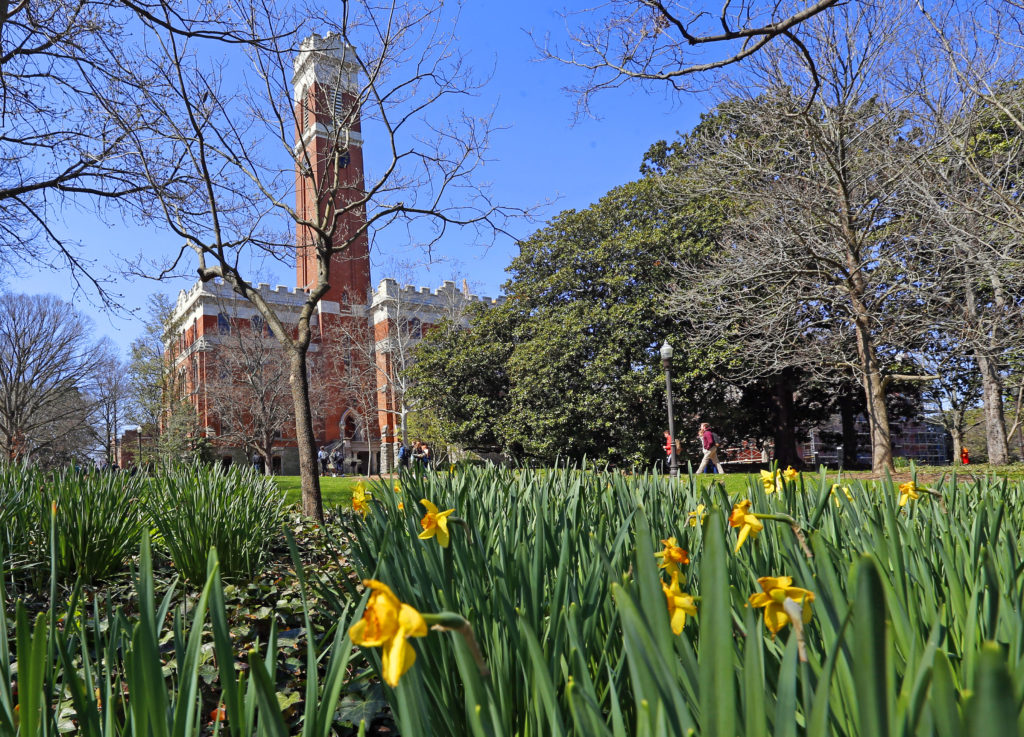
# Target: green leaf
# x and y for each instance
(870, 636)
(993, 707)
(715, 656)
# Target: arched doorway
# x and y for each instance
(360, 450)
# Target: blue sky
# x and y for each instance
(542, 155)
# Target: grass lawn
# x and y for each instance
(336, 491)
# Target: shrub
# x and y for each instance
(99, 517)
(20, 534)
(97, 521)
(238, 512)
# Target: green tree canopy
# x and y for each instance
(568, 365)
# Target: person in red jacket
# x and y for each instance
(709, 442)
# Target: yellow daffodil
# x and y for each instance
(790, 474)
(672, 556)
(748, 523)
(774, 592)
(836, 488)
(359, 499)
(908, 491)
(696, 517)
(772, 481)
(397, 488)
(386, 624)
(435, 523)
(401, 506)
(679, 604)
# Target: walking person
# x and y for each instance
(338, 459)
(709, 441)
(323, 458)
(428, 456)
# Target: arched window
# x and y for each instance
(351, 428)
(415, 328)
(223, 324)
(259, 325)
(308, 118)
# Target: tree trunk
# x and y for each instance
(405, 424)
(958, 443)
(784, 430)
(874, 395)
(992, 400)
(991, 383)
(312, 503)
(848, 421)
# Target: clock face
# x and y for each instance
(344, 159)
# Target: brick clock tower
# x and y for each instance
(329, 186)
(329, 169)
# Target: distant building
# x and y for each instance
(131, 446)
(918, 440)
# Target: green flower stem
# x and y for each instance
(453, 520)
(457, 623)
(797, 530)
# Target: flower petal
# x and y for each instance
(397, 657)
(678, 620)
(411, 622)
(774, 582)
(758, 600)
(744, 531)
(357, 634)
(775, 617)
(442, 534)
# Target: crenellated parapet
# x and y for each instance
(213, 297)
(444, 296)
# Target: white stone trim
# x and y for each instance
(325, 60)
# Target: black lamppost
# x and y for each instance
(666, 361)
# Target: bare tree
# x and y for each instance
(249, 392)
(955, 392)
(158, 402)
(675, 43)
(969, 103)
(111, 398)
(812, 273)
(47, 359)
(56, 151)
(237, 149)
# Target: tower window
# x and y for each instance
(223, 324)
(259, 325)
